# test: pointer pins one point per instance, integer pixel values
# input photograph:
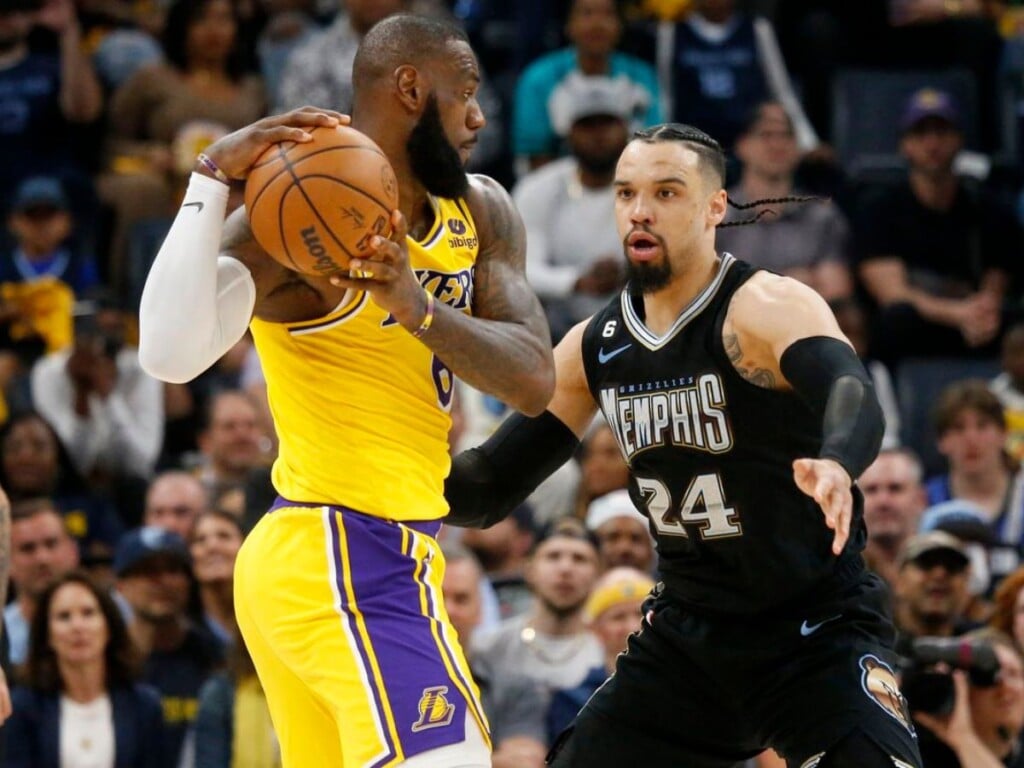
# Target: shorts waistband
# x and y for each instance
(429, 527)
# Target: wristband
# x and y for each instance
(205, 160)
(428, 319)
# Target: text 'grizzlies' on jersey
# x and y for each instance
(361, 406)
(711, 456)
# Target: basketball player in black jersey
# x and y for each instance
(745, 416)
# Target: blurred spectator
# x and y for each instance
(808, 242)
(289, 25)
(167, 113)
(213, 543)
(41, 92)
(717, 64)
(82, 704)
(602, 468)
(1008, 386)
(594, 28)
(984, 728)
(931, 587)
(107, 411)
(935, 254)
(972, 436)
(233, 727)
(513, 704)
(550, 644)
(853, 322)
(33, 464)
(623, 533)
(230, 443)
(574, 254)
(613, 612)
(502, 551)
(41, 551)
(174, 501)
(894, 498)
(154, 576)
(1008, 616)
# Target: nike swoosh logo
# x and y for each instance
(198, 205)
(806, 630)
(603, 357)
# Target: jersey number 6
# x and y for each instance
(703, 504)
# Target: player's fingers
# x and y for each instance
(285, 133)
(399, 226)
(314, 116)
(842, 526)
(371, 269)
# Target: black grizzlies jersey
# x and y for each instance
(711, 457)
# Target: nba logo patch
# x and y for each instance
(435, 710)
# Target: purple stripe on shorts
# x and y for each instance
(428, 709)
(360, 645)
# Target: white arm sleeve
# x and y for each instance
(195, 304)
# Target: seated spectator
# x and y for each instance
(214, 542)
(154, 576)
(502, 551)
(613, 613)
(971, 433)
(594, 28)
(41, 552)
(34, 464)
(289, 25)
(1008, 386)
(573, 249)
(82, 704)
(807, 241)
(894, 498)
(107, 411)
(623, 533)
(1008, 614)
(602, 468)
(936, 256)
(930, 592)
(984, 728)
(716, 65)
(514, 705)
(230, 442)
(233, 727)
(165, 114)
(174, 501)
(550, 643)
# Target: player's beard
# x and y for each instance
(649, 276)
(435, 162)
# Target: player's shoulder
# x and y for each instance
(493, 211)
(768, 292)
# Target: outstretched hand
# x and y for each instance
(386, 274)
(825, 481)
(236, 153)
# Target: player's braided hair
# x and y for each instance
(713, 157)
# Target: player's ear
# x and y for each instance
(717, 205)
(410, 86)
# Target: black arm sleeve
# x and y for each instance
(486, 483)
(830, 378)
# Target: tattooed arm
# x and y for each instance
(5, 570)
(767, 315)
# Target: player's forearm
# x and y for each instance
(510, 360)
(194, 305)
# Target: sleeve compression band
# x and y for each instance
(831, 379)
(487, 482)
(195, 304)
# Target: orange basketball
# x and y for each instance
(313, 206)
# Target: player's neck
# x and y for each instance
(662, 308)
(413, 200)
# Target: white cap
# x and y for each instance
(610, 506)
(579, 96)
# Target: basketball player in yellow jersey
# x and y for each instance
(338, 588)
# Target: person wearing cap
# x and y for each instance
(930, 592)
(573, 251)
(154, 575)
(613, 613)
(623, 533)
(594, 28)
(935, 254)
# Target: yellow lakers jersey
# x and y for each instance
(360, 405)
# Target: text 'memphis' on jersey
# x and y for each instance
(711, 456)
(361, 406)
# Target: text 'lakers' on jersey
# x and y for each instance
(361, 406)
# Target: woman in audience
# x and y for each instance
(214, 543)
(81, 705)
(1008, 616)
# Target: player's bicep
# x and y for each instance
(572, 402)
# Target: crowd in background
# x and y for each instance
(895, 124)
